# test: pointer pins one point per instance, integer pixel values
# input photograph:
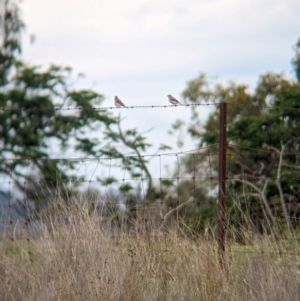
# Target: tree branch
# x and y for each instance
(290, 166)
(262, 196)
(141, 160)
(279, 187)
(171, 212)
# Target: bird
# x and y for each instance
(173, 100)
(119, 102)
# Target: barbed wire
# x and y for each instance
(179, 175)
(195, 151)
(261, 106)
(109, 180)
(265, 252)
(104, 108)
(134, 179)
(264, 150)
(146, 107)
(116, 180)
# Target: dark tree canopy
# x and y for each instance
(11, 45)
(263, 137)
(35, 121)
(296, 61)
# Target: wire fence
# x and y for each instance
(261, 182)
(97, 108)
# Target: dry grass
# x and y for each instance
(78, 260)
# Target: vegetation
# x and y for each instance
(42, 113)
(263, 135)
(79, 260)
(263, 141)
(82, 246)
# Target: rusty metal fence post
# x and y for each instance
(222, 183)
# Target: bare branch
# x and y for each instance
(257, 195)
(272, 148)
(171, 212)
(279, 187)
(140, 157)
(262, 196)
(244, 166)
(290, 166)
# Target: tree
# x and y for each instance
(296, 61)
(36, 120)
(34, 117)
(13, 26)
(41, 113)
(263, 136)
(274, 134)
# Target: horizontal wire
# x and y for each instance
(261, 106)
(104, 184)
(140, 179)
(135, 179)
(105, 108)
(278, 202)
(113, 158)
(294, 253)
(83, 159)
(262, 150)
(138, 205)
(255, 179)
(147, 106)
(101, 201)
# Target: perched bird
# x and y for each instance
(119, 102)
(173, 100)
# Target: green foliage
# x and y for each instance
(33, 120)
(263, 131)
(167, 182)
(203, 217)
(13, 26)
(118, 143)
(164, 147)
(126, 187)
(108, 181)
(296, 61)
(37, 118)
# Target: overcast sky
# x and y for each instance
(144, 50)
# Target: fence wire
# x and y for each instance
(193, 180)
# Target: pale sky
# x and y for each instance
(144, 50)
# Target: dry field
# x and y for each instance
(78, 260)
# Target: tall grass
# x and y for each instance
(77, 259)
